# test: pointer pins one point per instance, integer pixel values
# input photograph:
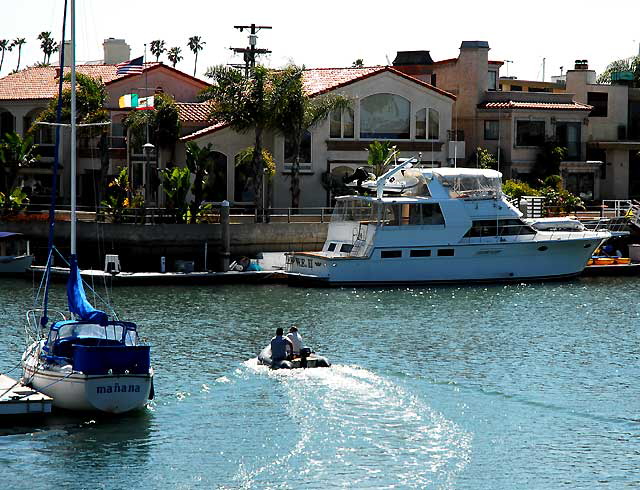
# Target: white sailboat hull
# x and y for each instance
(80, 392)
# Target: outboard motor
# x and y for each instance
(304, 353)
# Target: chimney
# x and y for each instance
(116, 51)
(67, 53)
(581, 65)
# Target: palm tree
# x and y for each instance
(157, 48)
(45, 43)
(18, 42)
(198, 162)
(297, 114)
(359, 63)
(196, 44)
(174, 56)
(4, 46)
(247, 104)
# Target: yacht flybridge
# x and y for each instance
(438, 225)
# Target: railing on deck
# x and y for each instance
(155, 215)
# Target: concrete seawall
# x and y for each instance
(141, 246)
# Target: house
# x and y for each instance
(512, 124)
(387, 105)
(23, 95)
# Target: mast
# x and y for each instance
(73, 128)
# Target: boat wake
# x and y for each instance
(355, 428)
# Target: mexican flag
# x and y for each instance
(128, 100)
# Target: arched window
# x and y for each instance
(243, 191)
(385, 116)
(6, 122)
(421, 124)
(215, 185)
(434, 124)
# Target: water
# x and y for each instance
(496, 387)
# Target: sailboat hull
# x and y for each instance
(81, 392)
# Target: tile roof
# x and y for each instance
(318, 81)
(41, 82)
(544, 106)
(194, 112)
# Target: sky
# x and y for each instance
(335, 33)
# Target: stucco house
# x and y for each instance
(387, 105)
(25, 93)
(512, 124)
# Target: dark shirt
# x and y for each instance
(279, 348)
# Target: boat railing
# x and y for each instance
(33, 327)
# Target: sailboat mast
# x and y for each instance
(73, 128)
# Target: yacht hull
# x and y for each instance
(487, 262)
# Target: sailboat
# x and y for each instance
(84, 360)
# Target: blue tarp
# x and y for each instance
(78, 303)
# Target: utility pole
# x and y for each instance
(249, 53)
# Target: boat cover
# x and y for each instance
(77, 299)
(7, 234)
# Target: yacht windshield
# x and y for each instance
(471, 185)
(355, 210)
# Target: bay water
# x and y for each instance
(455, 387)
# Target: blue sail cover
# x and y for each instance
(78, 303)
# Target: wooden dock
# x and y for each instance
(18, 399)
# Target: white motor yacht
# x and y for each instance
(438, 225)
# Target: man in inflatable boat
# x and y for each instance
(289, 353)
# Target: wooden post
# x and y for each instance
(225, 254)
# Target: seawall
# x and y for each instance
(141, 246)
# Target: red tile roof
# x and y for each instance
(545, 106)
(318, 81)
(194, 112)
(36, 83)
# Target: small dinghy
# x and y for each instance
(307, 359)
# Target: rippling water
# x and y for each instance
(497, 387)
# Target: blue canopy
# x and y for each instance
(77, 299)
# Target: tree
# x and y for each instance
(297, 114)
(48, 46)
(359, 63)
(247, 104)
(157, 48)
(549, 159)
(198, 162)
(18, 42)
(174, 56)
(196, 44)
(5, 45)
(163, 123)
(485, 159)
(626, 64)
(175, 183)
(378, 156)
(91, 97)
(15, 153)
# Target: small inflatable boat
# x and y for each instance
(307, 359)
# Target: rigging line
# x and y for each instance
(113, 312)
(56, 166)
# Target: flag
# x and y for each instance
(129, 67)
(128, 100)
(145, 103)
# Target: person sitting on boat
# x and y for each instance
(296, 339)
(281, 347)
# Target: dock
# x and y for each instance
(18, 399)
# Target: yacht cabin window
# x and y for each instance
(502, 227)
(390, 254)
